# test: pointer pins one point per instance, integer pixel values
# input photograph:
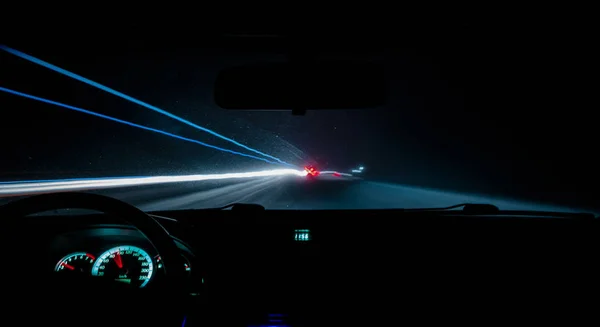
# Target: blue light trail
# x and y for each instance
(33, 97)
(131, 99)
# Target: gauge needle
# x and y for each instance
(68, 266)
(118, 260)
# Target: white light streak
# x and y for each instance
(27, 188)
(331, 172)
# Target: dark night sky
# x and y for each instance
(491, 114)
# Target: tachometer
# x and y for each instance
(125, 263)
(79, 262)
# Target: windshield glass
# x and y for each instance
(139, 123)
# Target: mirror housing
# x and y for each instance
(301, 86)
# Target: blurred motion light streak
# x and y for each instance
(31, 187)
(131, 99)
(33, 97)
(331, 172)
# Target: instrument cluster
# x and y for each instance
(121, 254)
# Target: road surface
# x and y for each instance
(293, 192)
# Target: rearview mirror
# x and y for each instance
(298, 87)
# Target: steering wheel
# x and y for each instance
(123, 305)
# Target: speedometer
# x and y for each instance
(125, 263)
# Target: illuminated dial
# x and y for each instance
(186, 265)
(125, 263)
(79, 262)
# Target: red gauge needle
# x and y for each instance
(68, 266)
(118, 260)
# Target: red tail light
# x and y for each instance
(311, 171)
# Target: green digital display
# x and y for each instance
(302, 235)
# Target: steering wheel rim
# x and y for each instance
(152, 230)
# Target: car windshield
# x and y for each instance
(140, 124)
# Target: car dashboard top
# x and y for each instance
(288, 261)
(79, 242)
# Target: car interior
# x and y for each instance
(246, 266)
(112, 264)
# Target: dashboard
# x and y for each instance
(117, 252)
(325, 266)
